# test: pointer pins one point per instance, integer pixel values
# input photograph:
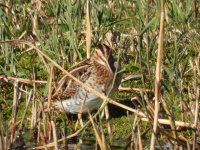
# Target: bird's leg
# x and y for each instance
(107, 115)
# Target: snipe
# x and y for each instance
(97, 72)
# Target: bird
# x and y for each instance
(98, 72)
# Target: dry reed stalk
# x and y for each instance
(22, 80)
(34, 106)
(49, 130)
(45, 64)
(107, 119)
(168, 122)
(130, 89)
(158, 77)
(188, 147)
(39, 132)
(41, 138)
(88, 29)
(7, 7)
(134, 127)
(77, 123)
(80, 114)
(103, 139)
(3, 136)
(63, 56)
(38, 6)
(139, 138)
(34, 23)
(97, 135)
(44, 134)
(172, 124)
(14, 109)
(54, 136)
(196, 118)
(50, 88)
(181, 101)
(27, 104)
(1, 142)
(22, 35)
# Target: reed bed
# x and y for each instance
(157, 105)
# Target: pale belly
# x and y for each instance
(75, 106)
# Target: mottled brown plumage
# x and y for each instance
(97, 72)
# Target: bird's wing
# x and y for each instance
(65, 86)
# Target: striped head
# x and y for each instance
(103, 56)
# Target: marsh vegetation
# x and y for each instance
(158, 45)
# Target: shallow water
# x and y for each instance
(87, 143)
